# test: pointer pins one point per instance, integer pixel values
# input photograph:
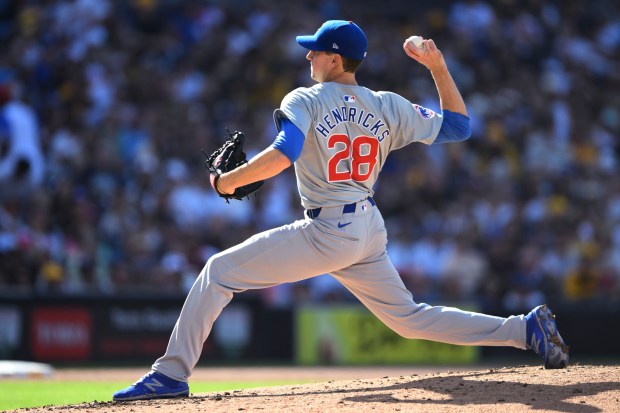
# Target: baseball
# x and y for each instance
(415, 40)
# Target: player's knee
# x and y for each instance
(215, 270)
(210, 272)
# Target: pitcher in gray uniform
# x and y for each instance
(338, 135)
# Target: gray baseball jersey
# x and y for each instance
(350, 130)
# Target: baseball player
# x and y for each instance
(337, 135)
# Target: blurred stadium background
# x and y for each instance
(106, 214)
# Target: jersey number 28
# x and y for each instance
(362, 151)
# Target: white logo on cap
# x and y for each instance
(335, 46)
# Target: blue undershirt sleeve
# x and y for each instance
(455, 128)
(290, 140)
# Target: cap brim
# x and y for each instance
(310, 43)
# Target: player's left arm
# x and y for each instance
(266, 164)
(280, 155)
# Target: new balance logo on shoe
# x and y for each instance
(154, 385)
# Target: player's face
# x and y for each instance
(320, 64)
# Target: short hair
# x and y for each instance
(348, 64)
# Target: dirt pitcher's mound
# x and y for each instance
(515, 389)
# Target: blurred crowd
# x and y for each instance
(106, 105)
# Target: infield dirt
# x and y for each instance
(579, 388)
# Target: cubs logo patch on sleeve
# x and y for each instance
(426, 113)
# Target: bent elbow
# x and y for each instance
(281, 160)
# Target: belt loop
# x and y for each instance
(313, 213)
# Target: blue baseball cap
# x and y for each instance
(339, 36)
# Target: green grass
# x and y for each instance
(15, 394)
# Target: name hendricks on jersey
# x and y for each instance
(367, 120)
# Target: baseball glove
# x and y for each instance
(226, 158)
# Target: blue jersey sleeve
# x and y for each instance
(455, 128)
(290, 140)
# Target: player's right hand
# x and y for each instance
(428, 54)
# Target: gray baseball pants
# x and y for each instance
(355, 254)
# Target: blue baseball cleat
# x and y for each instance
(543, 337)
(152, 385)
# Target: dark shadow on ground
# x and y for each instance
(474, 388)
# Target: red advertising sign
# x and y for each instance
(61, 333)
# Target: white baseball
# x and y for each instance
(415, 40)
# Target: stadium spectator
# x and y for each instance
(116, 99)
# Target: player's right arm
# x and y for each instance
(455, 126)
(430, 56)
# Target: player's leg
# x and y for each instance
(376, 283)
(286, 254)
(379, 287)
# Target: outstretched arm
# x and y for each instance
(430, 56)
(266, 164)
